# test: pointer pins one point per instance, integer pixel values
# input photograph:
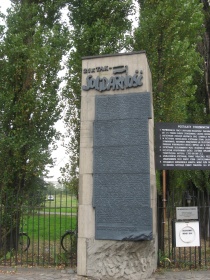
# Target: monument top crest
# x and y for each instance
(117, 72)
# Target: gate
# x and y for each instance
(45, 232)
(189, 257)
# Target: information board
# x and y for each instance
(182, 146)
(187, 213)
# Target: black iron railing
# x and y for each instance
(31, 230)
(183, 257)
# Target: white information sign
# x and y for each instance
(187, 234)
(187, 213)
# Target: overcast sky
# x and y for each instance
(4, 5)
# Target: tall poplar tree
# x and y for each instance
(170, 31)
(175, 35)
(204, 49)
(98, 27)
(31, 48)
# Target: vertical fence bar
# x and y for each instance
(15, 209)
(173, 228)
(159, 230)
(32, 233)
(203, 202)
(168, 210)
(208, 230)
(49, 224)
(55, 230)
(38, 227)
(44, 232)
(201, 215)
(25, 228)
(10, 242)
(71, 226)
(60, 221)
(66, 226)
(1, 223)
(21, 230)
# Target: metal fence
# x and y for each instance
(183, 257)
(40, 230)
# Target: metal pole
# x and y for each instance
(164, 196)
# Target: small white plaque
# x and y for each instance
(187, 213)
(187, 234)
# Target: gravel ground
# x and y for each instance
(20, 273)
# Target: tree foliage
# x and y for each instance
(175, 36)
(98, 27)
(31, 48)
(204, 49)
(169, 32)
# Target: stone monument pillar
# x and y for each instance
(117, 231)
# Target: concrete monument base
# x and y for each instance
(120, 259)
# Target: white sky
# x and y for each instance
(59, 155)
(4, 4)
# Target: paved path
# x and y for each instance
(182, 275)
(9, 273)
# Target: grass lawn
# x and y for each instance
(48, 227)
(45, 225)
(51, 219)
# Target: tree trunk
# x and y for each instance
(206, 52)
(10, 213)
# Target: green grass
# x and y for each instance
(51, 219)
(45, 225)
(48, 227)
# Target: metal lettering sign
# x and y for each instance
(187, 213)
(119, 80)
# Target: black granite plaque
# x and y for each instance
(182, 146)
(121, 173)
(122, 187)
(120, 132)
(121, 159)
(116, 107)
